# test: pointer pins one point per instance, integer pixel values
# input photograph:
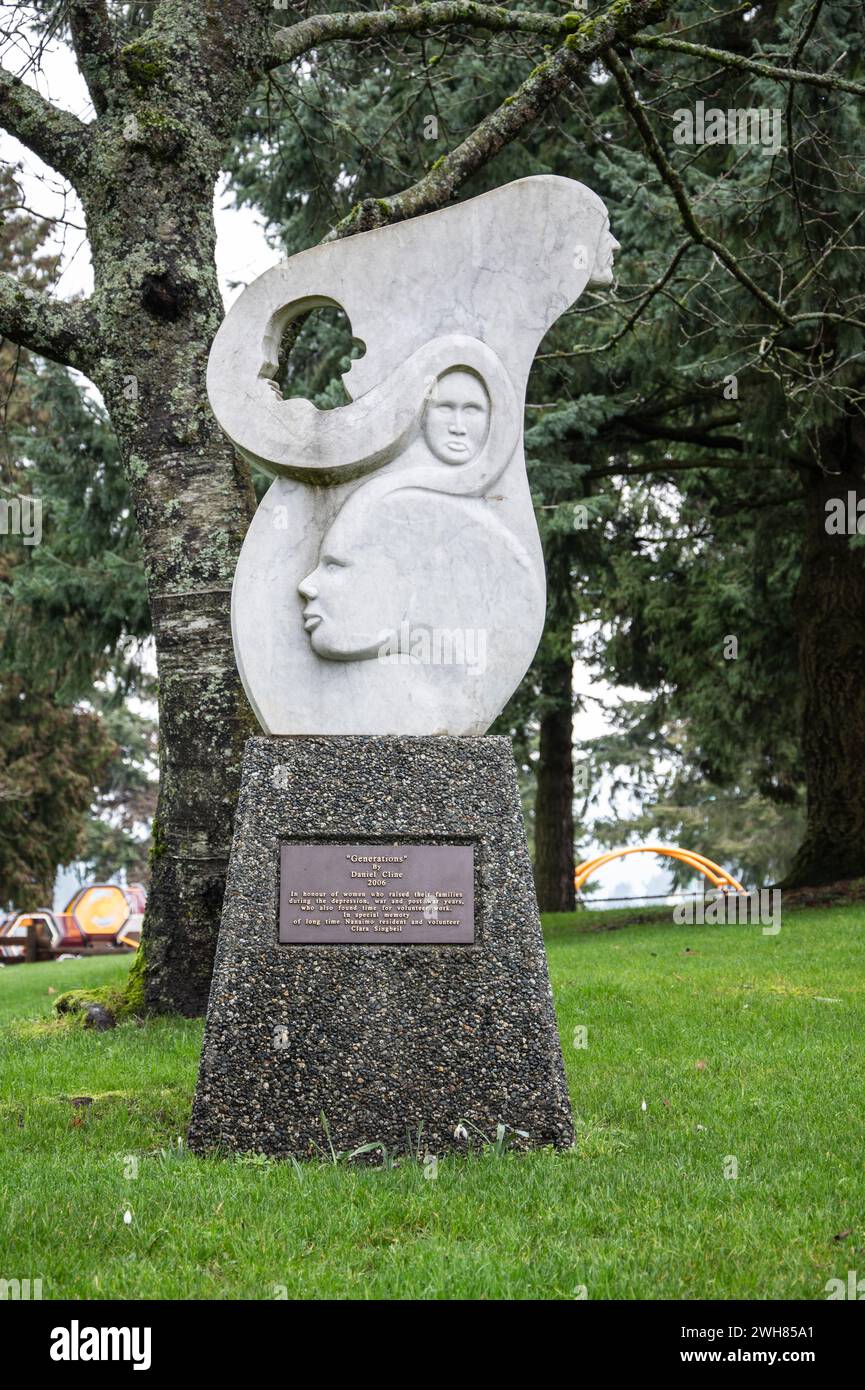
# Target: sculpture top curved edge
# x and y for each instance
(292, 438)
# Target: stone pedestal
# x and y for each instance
(383, 1040)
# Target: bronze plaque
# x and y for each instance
(374, 895)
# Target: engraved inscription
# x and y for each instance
(376, 894)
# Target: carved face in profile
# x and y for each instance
(457, 417)
(424, 559)
(602, 270)
(353, 594)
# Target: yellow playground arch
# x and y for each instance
(717, 876)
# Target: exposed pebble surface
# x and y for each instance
(384, 1040)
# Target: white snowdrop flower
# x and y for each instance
(127, 1218)
(461, 1132)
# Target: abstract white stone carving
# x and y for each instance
(392, 579)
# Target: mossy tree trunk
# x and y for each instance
(149, 205)
(165, 120)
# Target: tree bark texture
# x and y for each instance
(554, 798)
(829, 608)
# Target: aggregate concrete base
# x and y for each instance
(384, 1040)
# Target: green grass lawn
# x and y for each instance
(741, 1047)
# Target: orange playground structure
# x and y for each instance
(99, 919)
(718, 877)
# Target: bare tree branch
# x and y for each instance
(65, 332)
(93, 41)
(293, 42)
(579, 50)
(644, 302)
(674, 183)
(683, 434)
(623, 470)
(56, 136)
(738, 60)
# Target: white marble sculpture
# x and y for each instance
(392, 580)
